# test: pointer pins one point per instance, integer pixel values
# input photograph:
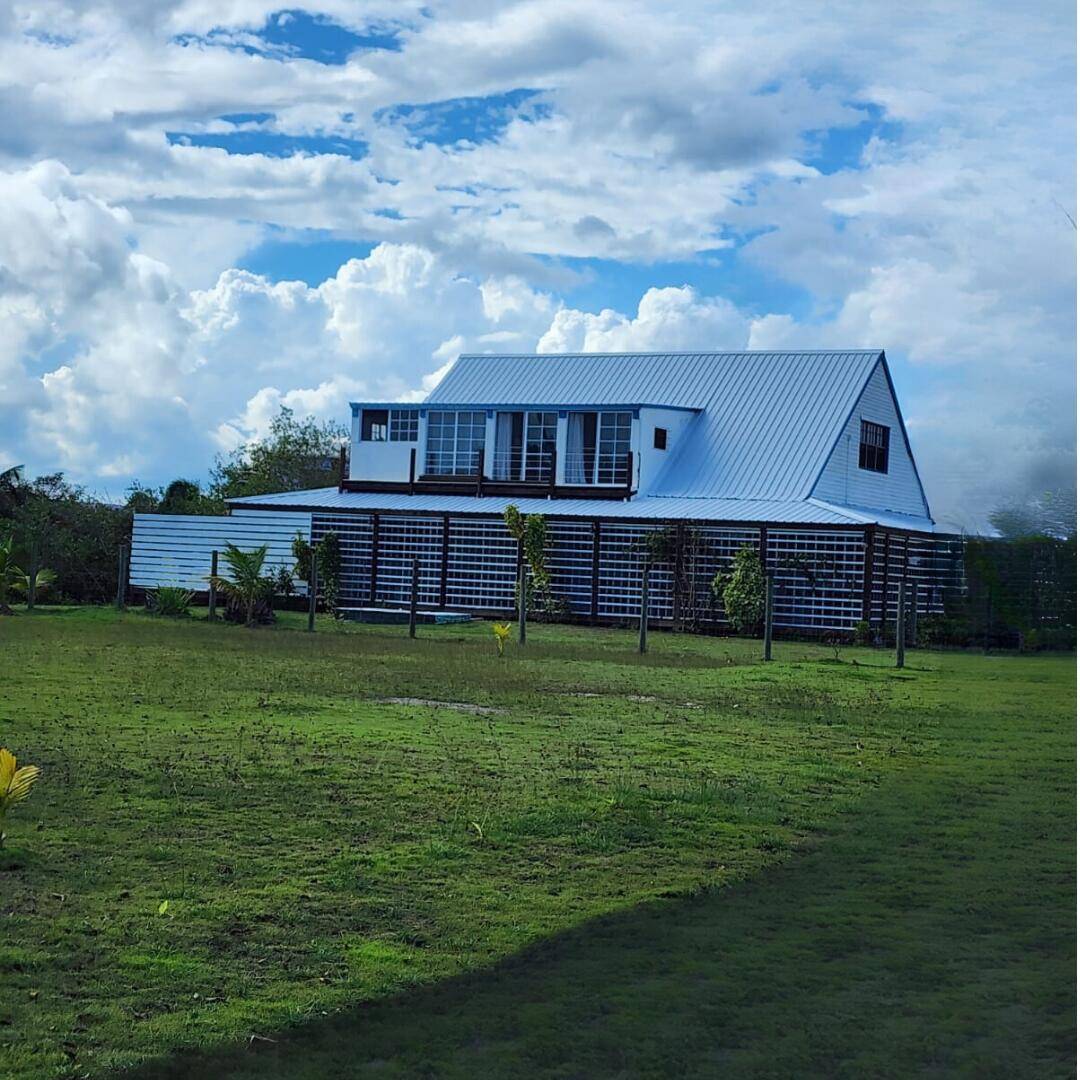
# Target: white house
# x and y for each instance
(802, 455)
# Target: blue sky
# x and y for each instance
(213, 210)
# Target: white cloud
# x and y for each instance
(131, 343)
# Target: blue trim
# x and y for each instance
(535, 406)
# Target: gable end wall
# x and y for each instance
(843, 482)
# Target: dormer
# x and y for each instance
(588, 450)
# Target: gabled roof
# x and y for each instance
(768, 419)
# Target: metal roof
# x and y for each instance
(768, 419)
(645, 507)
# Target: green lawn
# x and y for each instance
(687, 864)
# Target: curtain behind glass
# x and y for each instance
(575, 449)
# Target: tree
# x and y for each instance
(178, 497)
(743, 591)
(1052, 513)
(246, 584)
(297, 454)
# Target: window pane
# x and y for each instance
(404, 425)
(613, 445)
(873, 447)
(540, 444)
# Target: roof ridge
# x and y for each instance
(675, 352)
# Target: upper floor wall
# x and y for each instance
(871, 464)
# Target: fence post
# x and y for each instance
(521, 597)
(313, 589)
(121, 578)
(211, 599)
(413, 596)
(901, 606)
(768, 613)
(915, 614)
(643, 629)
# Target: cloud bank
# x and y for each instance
(547, 176)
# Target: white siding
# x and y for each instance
(175, 549)
(842, 481)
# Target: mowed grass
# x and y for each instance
(684, 864)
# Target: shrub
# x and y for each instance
(170, 600)
(861, 634)
(742, 591)
(502, 636)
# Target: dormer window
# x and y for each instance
(375, 425)
(874, 447)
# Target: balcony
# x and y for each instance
(590, 474)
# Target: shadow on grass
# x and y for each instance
(929, 933)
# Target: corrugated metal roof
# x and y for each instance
(769, 419)
(793, 512)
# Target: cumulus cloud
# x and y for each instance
(879, 175)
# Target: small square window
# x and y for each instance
(874, 447)
(374, 425)
(659, 438)
(404, 425)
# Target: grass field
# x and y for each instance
(411, 859)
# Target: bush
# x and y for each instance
(742, 591)
(169, 600)
(861, 634)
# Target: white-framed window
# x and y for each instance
(454, 442)
(540, 431)
(613, 446)
(404, 425)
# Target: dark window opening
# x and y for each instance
(874, 447)
(374, 426)
(659, 438)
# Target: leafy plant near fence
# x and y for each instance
(171, 601)
(15, 784)
(247, 587)
(742, 591)
(327, 555)
(530, 531)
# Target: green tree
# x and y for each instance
(297, 454)
(246, 584)
(742, 591)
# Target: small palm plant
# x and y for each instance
(44, 580)
(10, 574)
(246, 583)
(502, 636)
(15, 784)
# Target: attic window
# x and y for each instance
(659, 438)
(874, 447)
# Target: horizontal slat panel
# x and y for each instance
(176, 549)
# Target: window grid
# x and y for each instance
(454, 441)
(404, 425)
(540, 432)
(613, 444)
(874, 447)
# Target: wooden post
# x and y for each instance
(868, 575)
(341, 468)
(373, 576)
(480, 471)
(413, 596)
(211, 608)
(121, 578)
(553, 474)
(412, 470)
(522, 599)
(901, 606)
(643, 628)
(629, 473)
(444, 561)
(594, 599)
(313, 590)
(768, 613)
(915, 614)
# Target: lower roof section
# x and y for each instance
(641, 508)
